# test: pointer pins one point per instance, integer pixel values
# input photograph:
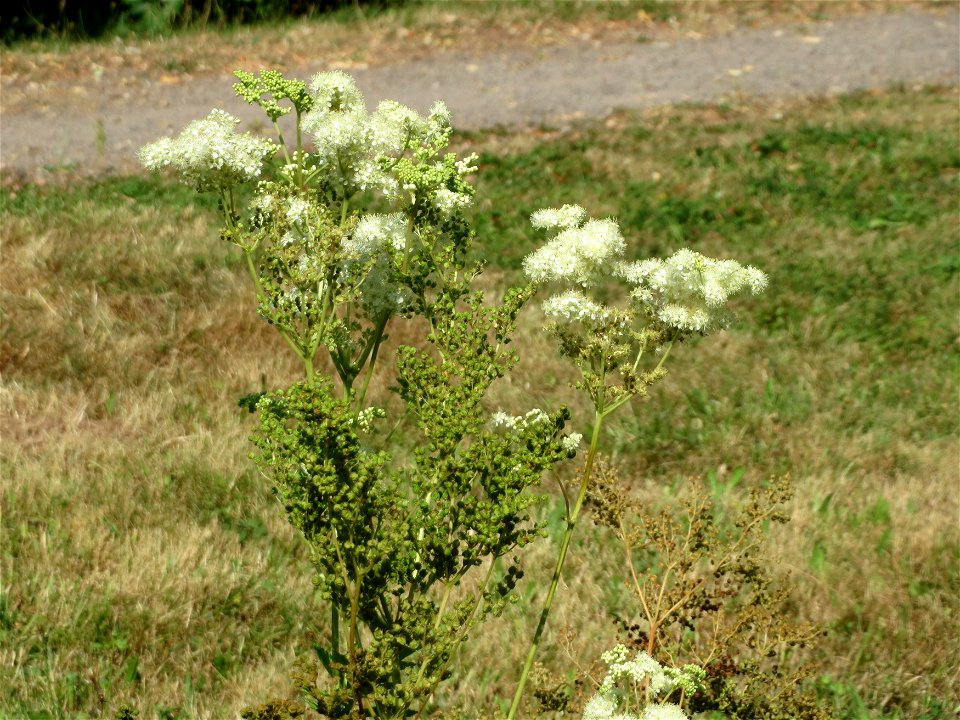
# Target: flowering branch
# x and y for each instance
(668, 300)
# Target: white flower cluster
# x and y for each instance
(580, 254)
(375, 233)
(350, 142)
(518, 422)
(366, 255)
(298, 213)
(335, 91)
(660, 681)
(687, 290)
(664, 711)
(642, 667)
(209, 153)
(394, 127)
(600, 707)
(571, 442)
(464, 167)
(515, 423)
(561, 218)
(449, 202)
(574, 306)
(301, 218)
(374, 239)
(365, 418)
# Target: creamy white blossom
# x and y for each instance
(568, 216)
(351, 144)
(365, 418)
(375, 232)
(464, 165)
(298, 213)
(640, 671)
(687, 291)
(518, 422)
(581, 255)
(439, 120)
(263, 201)
(618, 654)
(449, 202)
(666, 711)
(571, 442)
(641, 668)
(344, 151)
(501, 419)
(335, 91)
(310, 266)
(574, 306)
(394, 127)
(440, 114)
(209, 153)
(356, 150)
(599, 707)
(342, 132)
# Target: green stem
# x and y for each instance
(461, 636)
(626, 398)
(308, 367)
(436, 624)
(663, 358)
(396, 426)
(299, 153)
(334, 630)
(352, 641)
(283, 144)
(258, 288)
(253, 273)
(572, 518)
(377, 337)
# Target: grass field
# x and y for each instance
(145, 561)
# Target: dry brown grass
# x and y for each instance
(124, 472)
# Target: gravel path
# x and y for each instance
(97, 125)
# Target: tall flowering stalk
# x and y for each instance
(620, 349)
(329, 274)
(341, 240)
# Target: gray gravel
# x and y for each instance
(544, 86)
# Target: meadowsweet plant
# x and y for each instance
(616, 320)
(413, 515)
(357, 226)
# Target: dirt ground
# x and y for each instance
(86, 111)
